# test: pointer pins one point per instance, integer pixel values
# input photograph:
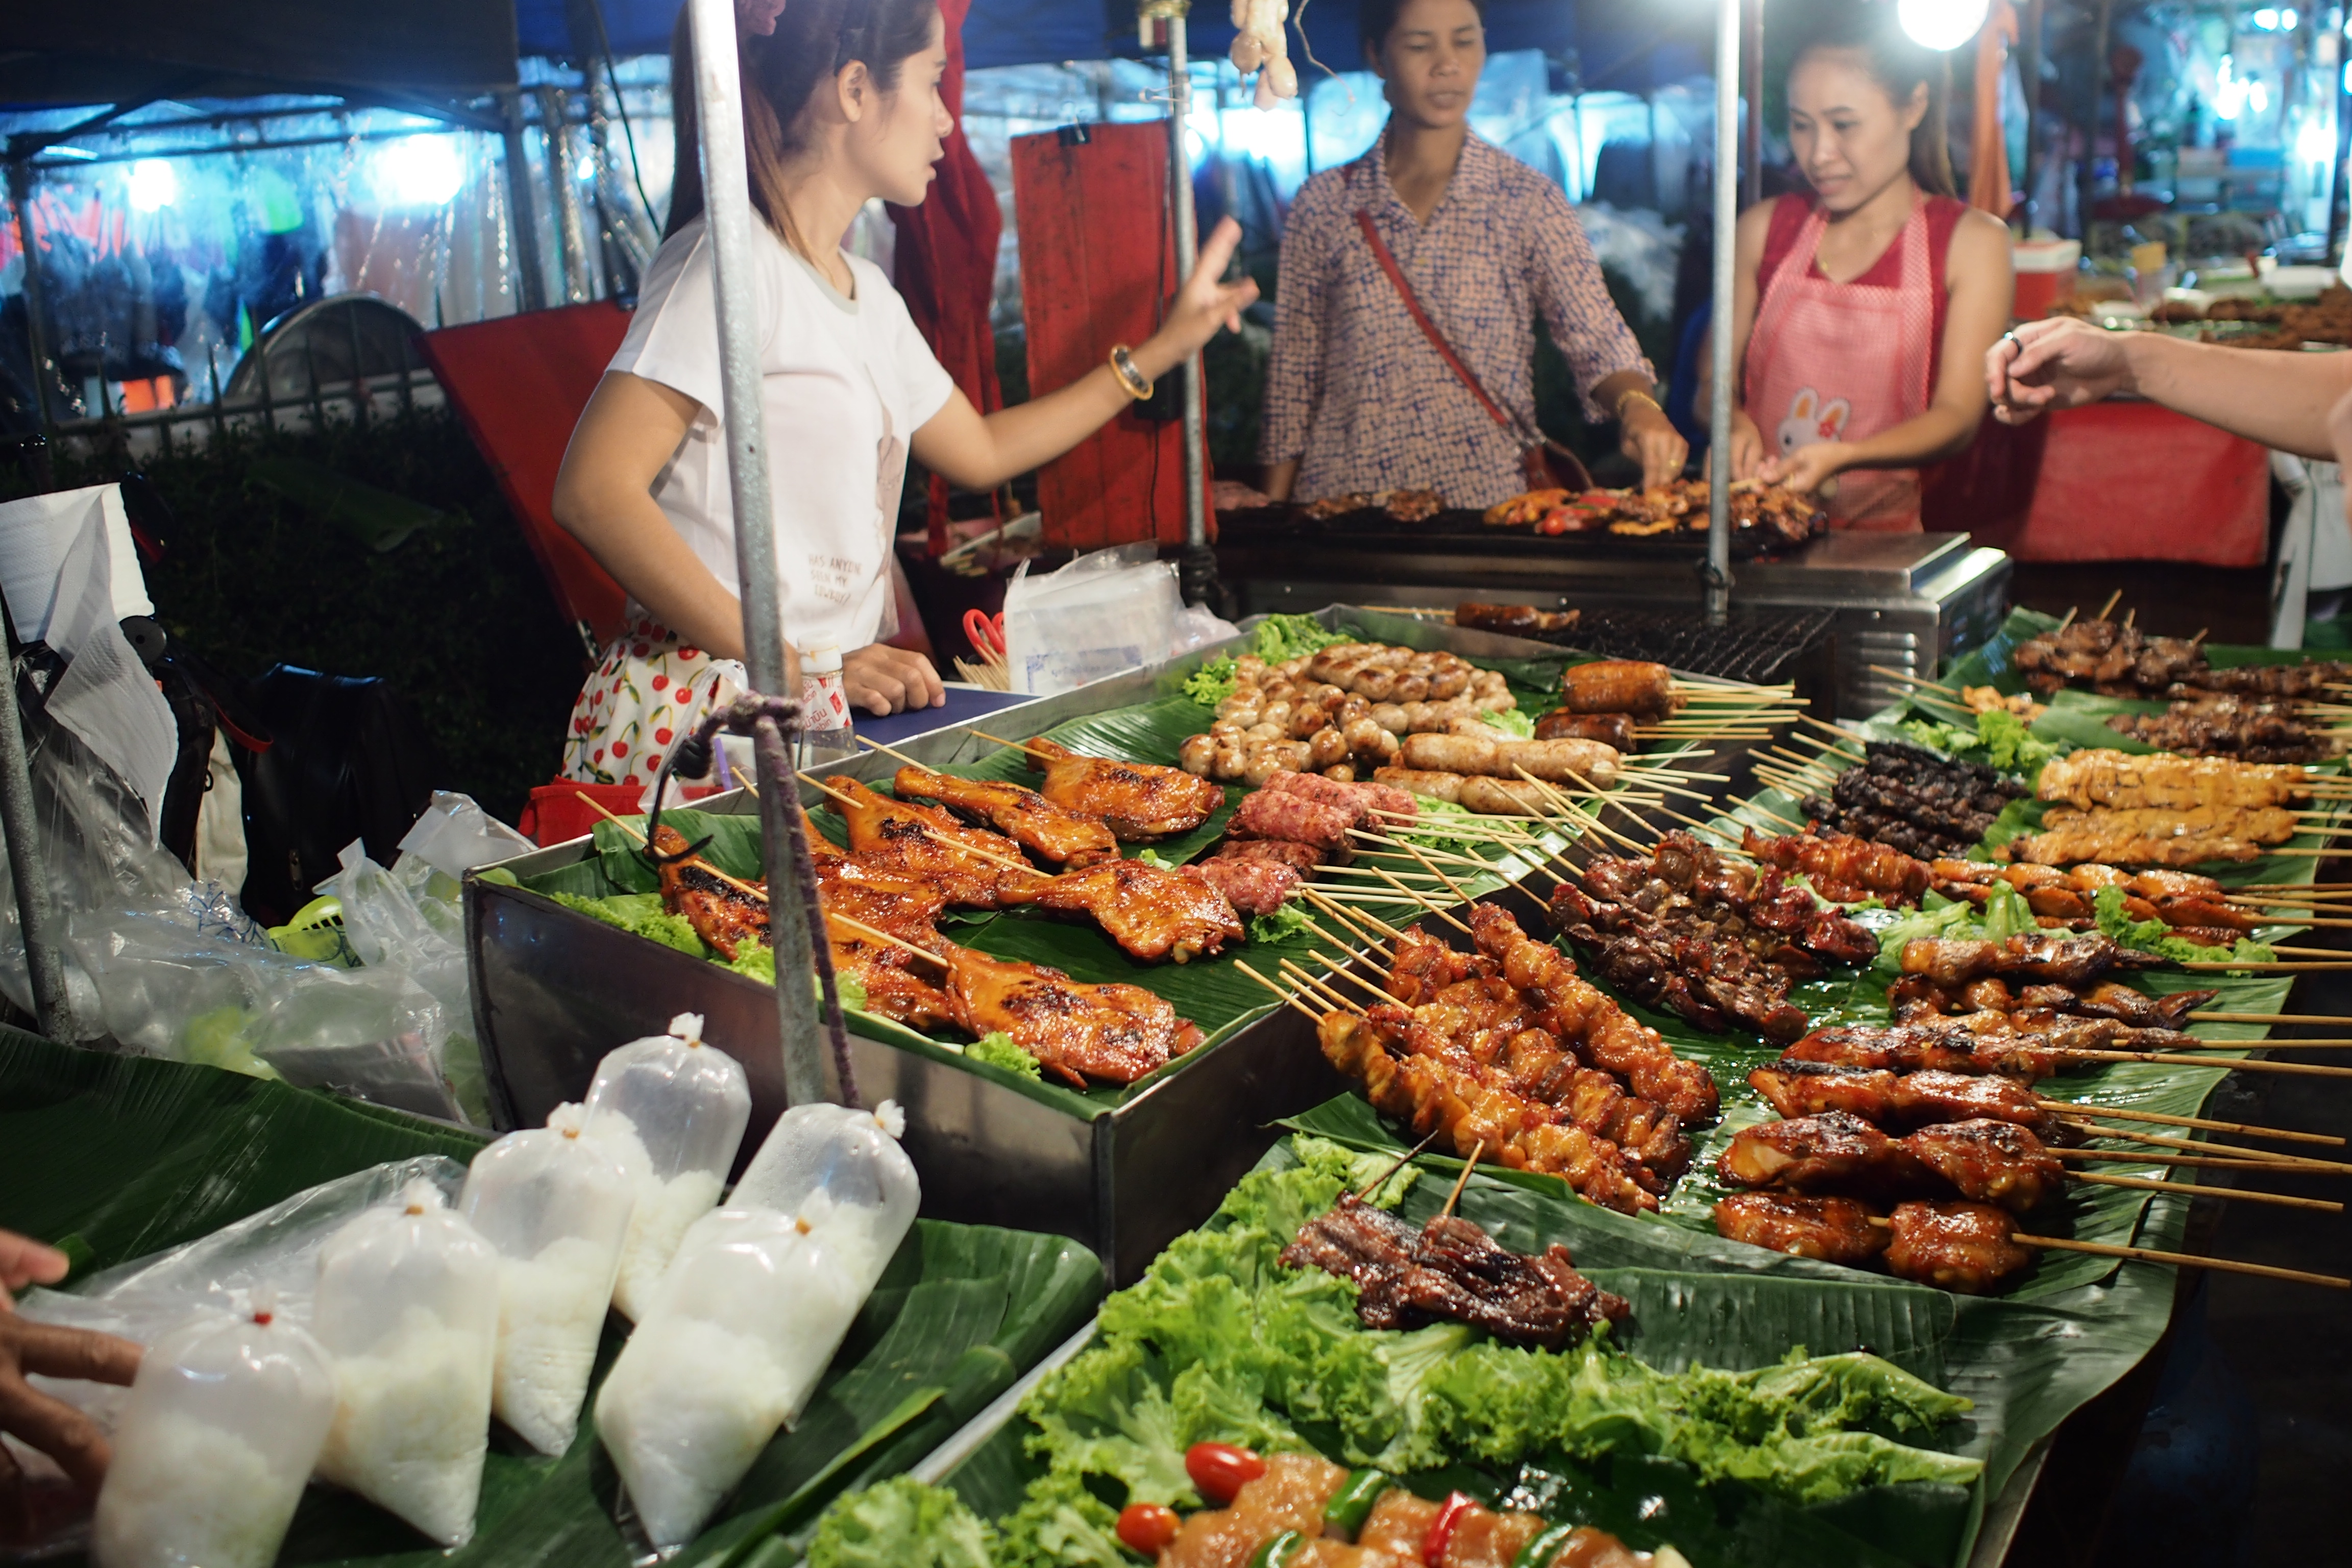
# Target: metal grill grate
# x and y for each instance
(1761, 645)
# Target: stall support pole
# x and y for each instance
(36, 340)
(520, 207)
(27, 870)
(1716, 571)
(1197, 573)
(1751, 93)
(726, 191)
(2338, 177)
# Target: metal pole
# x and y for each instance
(36, 332)
(27, 870)
(1715, 572)
(726, 195)
(524, 210)
(571, 240)
(1198, 570)
(1751, 93)
(2029, 70)
(2337, 180)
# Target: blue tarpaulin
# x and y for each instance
(1629, 45)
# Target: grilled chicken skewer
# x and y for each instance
(972, 868)
(1138, 801)
(1151, 911)
(1058, 836)
(1117, 1033)
(1983, 1160)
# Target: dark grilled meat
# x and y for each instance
(1964, 1247)
(1835, 1230)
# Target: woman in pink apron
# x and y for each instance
(1865, 307)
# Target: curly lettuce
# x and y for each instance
(2156, 937)
(997, 1050)
(901, 1523)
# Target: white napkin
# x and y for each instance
(36, 532)
(106, 697)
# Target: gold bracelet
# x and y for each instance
(1131, 380)
(1626, 396)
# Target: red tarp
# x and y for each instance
(2113, 481)
(520, 382)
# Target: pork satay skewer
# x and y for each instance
(747, 890)
(2178, 1259)
(2077, 1108)
(2238, 1194)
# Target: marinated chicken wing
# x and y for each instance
(1832, 1151)
(721, 914)
(1117, 1033)
(1138, 801)
(1151, 911)
(1990, 1161)
(1965, 1247)
(1836, 1231)
(1058, 836)
(971, 868)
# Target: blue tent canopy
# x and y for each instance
(1631, 45)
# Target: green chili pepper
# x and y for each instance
(1279, 1550)
(1539, 1552)
(1345, 1514)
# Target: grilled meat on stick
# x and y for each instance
(2181, 900)
(1978, 1043)
(1118, 1032)
(1137, 800)
(1554, 762)
(1985, 1161)
(1619, 685)
(2241, 727)
(2108, 778)
(1842, 868)
(1965, 1247)
(1151, 911)
(721, 913)
(1433, 1096)
(2069, 961)
(1060, 836)
(928, 843)
(1451, 1269)
(1885, 1099)
(1835, 1230)
(1916, 999)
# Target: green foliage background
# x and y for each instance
(457, 618)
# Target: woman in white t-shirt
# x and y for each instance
(841, 105)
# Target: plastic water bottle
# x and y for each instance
(826, 734)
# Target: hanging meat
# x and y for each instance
(1259, 46)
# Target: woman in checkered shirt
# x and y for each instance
(1358, 398)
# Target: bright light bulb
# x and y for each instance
(2267, 19)
(2287, 19)
(2257, 95)
(420, 171)
(1941, 24)
(153, 186)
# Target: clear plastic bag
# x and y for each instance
(732, 1346)
(408, 1306)
(681, 1107)
(556, 1207)
(223, 1426)
(852, 1162)
(1106, 612)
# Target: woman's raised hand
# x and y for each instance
(1202, 306)
(1650, 438)
(2061, 362)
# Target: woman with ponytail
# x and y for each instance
(841, 107)
(1864, 307)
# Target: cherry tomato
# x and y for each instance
(1147, 1527)
(1221, 1470)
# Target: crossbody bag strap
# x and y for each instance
(1388, 261)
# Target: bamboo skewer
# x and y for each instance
(2113, 599)
(2204, 1017)
(2227, 1064)
(2193, 1162)
(1298, 973)
(1751, 804)
(747, 890)
(1316, 897)
(1016, 745)
(2180, 1260)
(1431, 905)
(2259, 1159)
(1288, 998)
(2241, 1195)
(1463, 1180)
(1383, 1179)
(893, 752)
(2079, 1107)
(871, 934)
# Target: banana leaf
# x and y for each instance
(115, 1157)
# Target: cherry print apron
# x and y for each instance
(651, 689)
(1819, 369)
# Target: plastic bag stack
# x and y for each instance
(408, 1306)
(675, 1111)
(750, 1315)
(556, 1205)
(223, 1426)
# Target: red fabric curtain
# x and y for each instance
(946, 261)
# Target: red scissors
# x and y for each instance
(986, 632)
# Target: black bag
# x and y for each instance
(348, 759)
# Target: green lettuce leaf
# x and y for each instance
(2156, 937)
(642, 913)
(1212, 682)
(1281, 639)
(998, 1050)
(1511, 721)
(1286, 922)
(1061, 1524)
(901, 1523)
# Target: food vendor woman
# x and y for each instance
(1436, 235)
(1865, 307)
(841, 106)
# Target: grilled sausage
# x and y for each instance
(1609, 729)
(1326, 748)
(1451, 754)
(1620, 686)
(1196, 753)
(1436, 786)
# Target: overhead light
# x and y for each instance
(153, 186)
(2267, 19)
(420, 171)
(1941, 24)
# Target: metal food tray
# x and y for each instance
(555, 989)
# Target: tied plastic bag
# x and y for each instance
(408, 1306)
(556, 1205)
(1106, 612)
(844, 1171)
(223, 1426)
(735, 1341)
(677, 1111)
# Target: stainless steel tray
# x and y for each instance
(555, 989)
